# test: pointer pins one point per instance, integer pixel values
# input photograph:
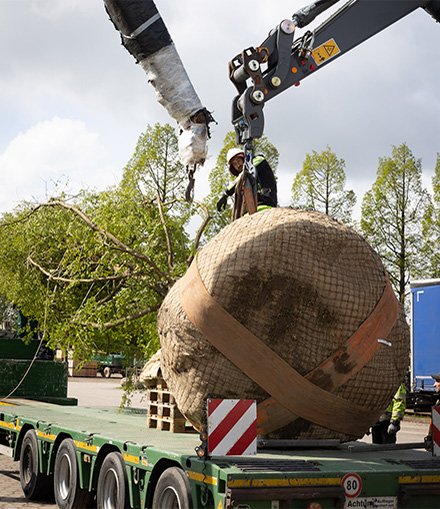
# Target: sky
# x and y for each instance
(73, 102)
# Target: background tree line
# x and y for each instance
(93, 269)
(399, 217)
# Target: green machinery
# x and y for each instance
(27, 368)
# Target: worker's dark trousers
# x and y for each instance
(381, 435)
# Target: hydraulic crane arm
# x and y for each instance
(281, 61)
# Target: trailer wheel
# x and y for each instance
(172, 490)
(35, 485)
(107, 372)
(112, 492)
(68, 493)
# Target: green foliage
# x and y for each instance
(436, 181)
(66, 272)
(392, 215)
(320, 186)
(94, 271)
(154, 167)
(431, 229)
(220, 178)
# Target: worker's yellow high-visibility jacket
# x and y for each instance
(397, 406)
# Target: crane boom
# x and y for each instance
(281, 61)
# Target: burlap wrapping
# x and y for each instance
(302, 283)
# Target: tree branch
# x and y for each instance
(167, 235)
(120, 321)
(199, 231)
(110, 295)
(91, 280)
(123, 247)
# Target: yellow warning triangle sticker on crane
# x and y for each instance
(326, 51)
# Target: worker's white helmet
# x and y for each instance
(232, 152)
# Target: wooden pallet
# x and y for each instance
(163, 413)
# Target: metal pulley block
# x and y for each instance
(248, 65)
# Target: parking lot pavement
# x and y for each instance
(11, 495)
(102, 392)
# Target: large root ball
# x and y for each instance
(302, 284)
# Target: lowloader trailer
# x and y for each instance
(85, 456)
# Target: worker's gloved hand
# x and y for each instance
(221, 204)
(428, 443)
(393, 428)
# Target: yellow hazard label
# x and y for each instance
(220, 505)
(86, 447)
(48, 436)
(131, 459)
(326, 51)
(407, 479)
(10, 425)
(260, 483)
(207, 479)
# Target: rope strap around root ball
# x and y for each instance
(292, 395)
(343, 364)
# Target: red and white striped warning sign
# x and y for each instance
(232, 427)
(436, 430)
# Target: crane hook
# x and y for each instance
(189, 193)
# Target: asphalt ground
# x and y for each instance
(108, 392)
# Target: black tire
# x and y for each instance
(35, 485)
(68, 493)
(107, 372)
(112, 492)
(172, 490)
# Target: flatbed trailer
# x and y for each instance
(101, 454)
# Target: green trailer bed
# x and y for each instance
(165, 467)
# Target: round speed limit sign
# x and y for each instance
(352, 485)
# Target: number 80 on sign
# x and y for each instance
(352, 485)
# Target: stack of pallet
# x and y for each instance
(163, 413)
(88, 369)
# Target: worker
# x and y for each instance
(428, 439)
(437, 387)
(266, 183)
(386, 428)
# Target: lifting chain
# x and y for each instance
(249, 151)
(189, 193)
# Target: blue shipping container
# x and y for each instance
(425, 333)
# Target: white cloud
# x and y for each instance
(51, 152)
(50, 10)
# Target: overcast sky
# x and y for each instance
(73, 102)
